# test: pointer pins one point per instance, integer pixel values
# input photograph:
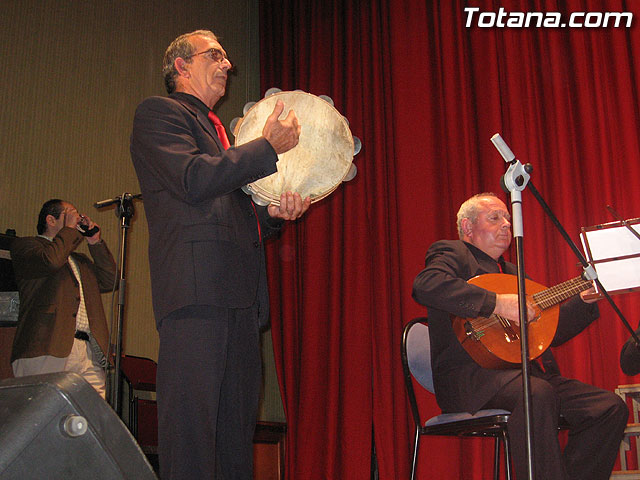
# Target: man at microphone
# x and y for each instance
(208, 275)
(61, 323)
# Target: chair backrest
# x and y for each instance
(143, 421)
(416, 362)
(140, 371)
(418, 351)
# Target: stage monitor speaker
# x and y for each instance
(57, 427)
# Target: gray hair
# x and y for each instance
(470, 209)
(181, 47)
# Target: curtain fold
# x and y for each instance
(425, 93)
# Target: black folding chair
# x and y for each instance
(416, 362)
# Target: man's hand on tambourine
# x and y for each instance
(283, 135)
(291, 206)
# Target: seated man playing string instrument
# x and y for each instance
(596, 417)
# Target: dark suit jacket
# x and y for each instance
(50, 296)
(204, 246)
(460, 383)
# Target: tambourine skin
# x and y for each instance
(321, 160)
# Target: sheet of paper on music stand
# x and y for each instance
(610, 244)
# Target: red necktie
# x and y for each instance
(540, 364)
(222, 133)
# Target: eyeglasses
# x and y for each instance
(214, 54)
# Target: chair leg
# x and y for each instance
(414, 462)
(134, 417)
(507, 454)
(496, 459)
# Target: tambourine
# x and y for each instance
(323, 157)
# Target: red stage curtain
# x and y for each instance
(425, 93)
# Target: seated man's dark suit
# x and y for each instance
(597, 417)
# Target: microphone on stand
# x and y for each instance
(517, 175)
(503, 148)
(111, 201)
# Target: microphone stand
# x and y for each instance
(514, 181)
(124, 211)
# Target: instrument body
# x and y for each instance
(494, 342)
(321, 160)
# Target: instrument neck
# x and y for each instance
(554, 295)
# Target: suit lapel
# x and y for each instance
(203, 120)
(471, 261)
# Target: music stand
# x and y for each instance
(614, 252)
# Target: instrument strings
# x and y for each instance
(488, 322)
(554, 295)
(544, 299)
